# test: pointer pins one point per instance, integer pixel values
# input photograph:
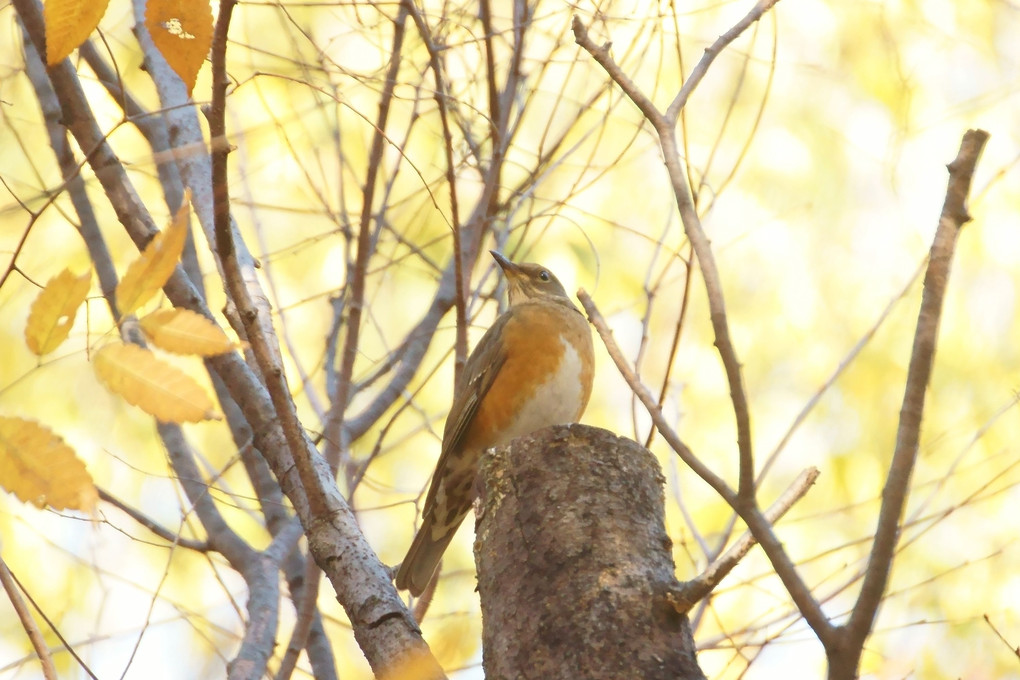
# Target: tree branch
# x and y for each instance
(894, 495)
(600, 53)
(381, 623)
(711, 52)
(13, 587)
(336, 443)
(694, 590)
(152, 525)
(441, 96)
(666, 131)
(35, 635)
(756, 522)
(650, 403)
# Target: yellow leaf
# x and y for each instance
(182, 30)
(52, 313)
(147, 274)
(183, 331)
(39, 468)
(68, 24)
(156, 387)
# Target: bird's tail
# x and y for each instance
(422, 558)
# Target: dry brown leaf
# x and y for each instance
(183, 331)
(182, 30)
(68, 24)
(53, 311)
(156, 387)
(39, 468)
(147, 274)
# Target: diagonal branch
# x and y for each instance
(704, 583)
(758, 524)
(336, 444)
(262, 347)
(35, 636)
(441, 95)
(600, 53)
(152, 525)
(894, 495)
(650, 403)
(380, 621)
(711, 52)
(666, 131)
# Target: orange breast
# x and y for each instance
(545, 380)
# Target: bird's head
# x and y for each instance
(529, 282)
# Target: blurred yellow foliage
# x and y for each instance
(182, 31)
(153, 267)
(38, 467)
(68, 24)
(53, 311)
(158, 388)
(183, 331)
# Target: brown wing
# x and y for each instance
(480, 371)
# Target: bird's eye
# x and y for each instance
(544, 275)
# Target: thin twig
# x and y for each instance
(14, 589)
(666, 131)
(1015, 649)
(642, 392)
(713, 51)
(336, 444)
(600, 53)
(442, 96)
(152, 525)
(692, 591)
(844, 364)
(35, 635)
(756, 522)
(674, 346)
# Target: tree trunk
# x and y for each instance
(574, 564)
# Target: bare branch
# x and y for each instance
(441, 96)
(894, 495)
(705, 582)
(711, 52)
(600, 53)
(336, 444)
(646, 397)
(14, 589)
(844, 364)
(152, 525)
(35, 635)
(1012, 648)
(88, 225)
(360, 581)
(756, 522)
(264, 350)
(666, 131)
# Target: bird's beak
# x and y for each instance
(509, 268)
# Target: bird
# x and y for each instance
(532, 369)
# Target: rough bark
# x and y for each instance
(574, 564)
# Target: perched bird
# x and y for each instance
(532, 369)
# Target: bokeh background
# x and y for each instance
(816, 146)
